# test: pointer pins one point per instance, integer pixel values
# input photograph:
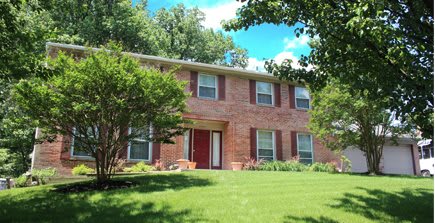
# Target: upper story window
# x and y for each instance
(305, 148)
(207, 86)
(266, 144)
(138, 147)
(264, 93)
(78, 147)
(302, 98)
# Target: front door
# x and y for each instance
(207, 149)
(201, 148)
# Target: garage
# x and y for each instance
(395, 159)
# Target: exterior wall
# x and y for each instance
(237, 116)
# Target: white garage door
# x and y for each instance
(398, 160)
(395, 160)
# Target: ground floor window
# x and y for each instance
(305, 148)
(138, 147)
(78, 146)
(265, 144)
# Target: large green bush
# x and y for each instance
(323, 167)
(82, 169)
(21, 181)
(294, 166)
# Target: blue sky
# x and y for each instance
(262, 42)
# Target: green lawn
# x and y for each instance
(226, 196)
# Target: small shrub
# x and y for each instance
(292, 165)
(159, 166)
(346, 164)
(252, 164)
(21, 181)
(43, 175)
(127, 170)
(323, 167)
(173, 167)
(141, 167)
(82, 169)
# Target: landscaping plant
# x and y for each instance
(323, 167)
(140, 167)
(82, 169)
(276, 165)
(43, 175)
(252, 164)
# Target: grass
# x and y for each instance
(226, 196)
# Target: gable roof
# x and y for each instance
(188, 65)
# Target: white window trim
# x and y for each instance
(296, 99)
(312, 146)
(273, 143)
(72, 147)
(272, 93)
(150, 148)
(215, 86)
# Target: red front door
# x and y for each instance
(201, 148)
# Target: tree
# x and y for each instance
(96, 100)
(384, 47)
(340, 119)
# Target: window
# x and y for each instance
(77, 144)
(207, 86)
(265, 144)
(428, 151)
(302, 98)
(139, 148)
(186, 146)
(305, 148)
(264, 93)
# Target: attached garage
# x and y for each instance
(396, 159)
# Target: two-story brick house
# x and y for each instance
(236, 113)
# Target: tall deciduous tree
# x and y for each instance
(96, 100)
(384, 47)
(340, 120)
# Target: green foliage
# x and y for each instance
(323, 167)
(383, 47)
(346, 164)
(275, 165)
(82, 169)
(43, 175)
(6, 166)
(140, 167)
(340, 119)
(21, 181)
(111, 92)
(252, 164)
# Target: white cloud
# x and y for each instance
(214, 15)
(295, 42)
(256, 65)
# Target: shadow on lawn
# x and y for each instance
(108, 206)
(382, 206)
(322, 219)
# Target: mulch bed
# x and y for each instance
(93, 186)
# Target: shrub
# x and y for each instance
(141, 167)
(323, 167)
(43, 175)
(292, 165)
(82, 169)
(21, 181)
(252, 164)
(346, 164)
(127, 170)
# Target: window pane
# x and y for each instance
(265, 152)
(306, 161)
(186, 145)
(209, 81)
(302, 93)
(426, 153)
(78, 148)
(265, 158)
(265, 88)
(264, 99)
(207, 92)
(139, 133)
(302, 103)
(304, 142)
(263, 136)
(139, 150)
(304, 154)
